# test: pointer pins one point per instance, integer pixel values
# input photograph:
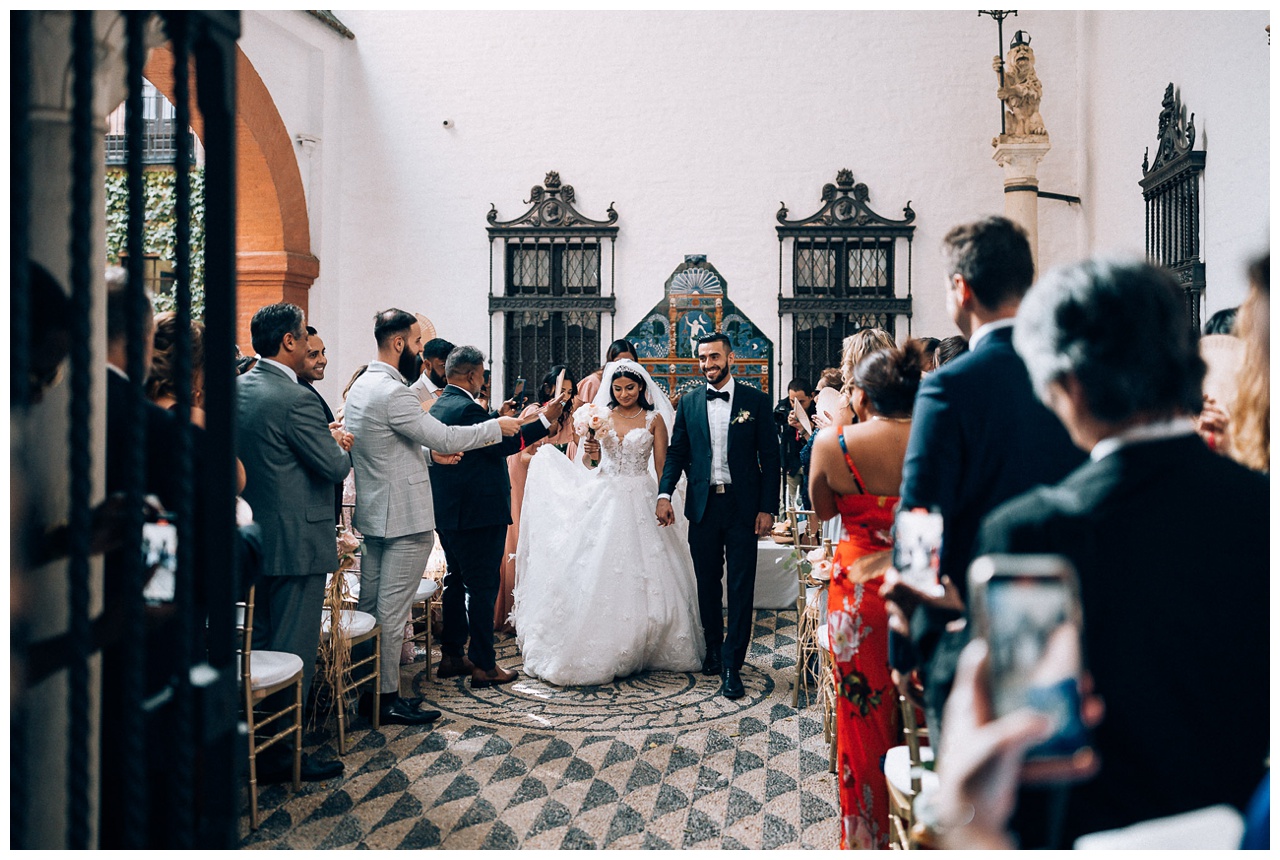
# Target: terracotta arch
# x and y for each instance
(274, 262)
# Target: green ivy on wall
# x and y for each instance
(159, 235)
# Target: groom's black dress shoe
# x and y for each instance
(712, 665)
(731, 684)
(279, 768)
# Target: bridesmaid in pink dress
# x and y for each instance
(587, 389)
(562, 437)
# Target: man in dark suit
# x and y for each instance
(1154, 524)
(472, 500)
(291, 460)
(979, 435)
(312, 372)
(724, 440)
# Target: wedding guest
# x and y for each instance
(1251, 437)
(50, 325)
(1221, 322)
(928, 349)
(587, 388)
(793, 437)
(883, 389)
(292, 459)
(829, 378)
(562, 436)
(857, 346)
(472, 500)
(1108, 348)
(949, 349)
(313, 368)
(980, 436)
(394, 510)
(431, 382)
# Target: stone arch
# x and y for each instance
(274, 262)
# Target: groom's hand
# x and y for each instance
(764, 524)
(666, 513)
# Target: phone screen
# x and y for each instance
(160, 558)
(1034, 636)
(917, 543)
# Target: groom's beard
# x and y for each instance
(407, 364)
(716, 375)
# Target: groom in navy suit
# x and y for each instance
(724, 440)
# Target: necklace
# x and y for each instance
(894, 420)
(628, 417)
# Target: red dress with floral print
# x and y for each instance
(866, 703)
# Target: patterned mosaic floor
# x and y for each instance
(657, 760)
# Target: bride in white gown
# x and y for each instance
(602, 591)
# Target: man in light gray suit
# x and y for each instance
(394, 510)
(291, 461)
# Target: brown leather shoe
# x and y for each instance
(453, 667)
(492, 678)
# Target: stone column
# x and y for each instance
(1020, 161)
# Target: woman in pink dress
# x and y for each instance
(587, 389)
(562, 436)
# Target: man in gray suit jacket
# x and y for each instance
(394, 509)
(291, 462)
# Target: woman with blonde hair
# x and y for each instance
(1251, 436)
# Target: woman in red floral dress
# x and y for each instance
(856, 472)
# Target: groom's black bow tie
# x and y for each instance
(712, 394)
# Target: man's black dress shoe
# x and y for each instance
(731, 684)
(405, 712)
(275, 770)
(712, 665)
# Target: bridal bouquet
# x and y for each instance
(588, 419)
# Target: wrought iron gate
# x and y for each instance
(166, 776)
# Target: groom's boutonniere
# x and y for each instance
(742, 417)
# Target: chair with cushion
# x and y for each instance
(357, 627)
(810, 603)
(905, 773)
(420, 616)
(263, 673)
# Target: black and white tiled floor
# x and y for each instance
(657, 760)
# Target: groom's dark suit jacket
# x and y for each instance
(476, 491)
(754, 466)
(1171, 543)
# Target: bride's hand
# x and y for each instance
(592, 447)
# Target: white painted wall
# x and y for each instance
(697, 124)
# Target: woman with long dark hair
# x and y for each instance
(619, 349)
(561, 436)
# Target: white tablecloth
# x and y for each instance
(776, 584)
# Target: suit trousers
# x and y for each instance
(390, 572)
(470, 591)
(286, 617)
(725, 534)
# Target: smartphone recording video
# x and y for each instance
(1027, 607)
(517, 392)
(917, 543)
(160, 558)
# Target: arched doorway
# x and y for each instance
(274, 262)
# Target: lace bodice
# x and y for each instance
(627, 456)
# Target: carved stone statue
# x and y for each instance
(1021, 90)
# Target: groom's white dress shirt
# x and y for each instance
(718, 423)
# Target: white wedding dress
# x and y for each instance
(602, 591)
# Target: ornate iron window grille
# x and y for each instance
(552, 284)
(844, 274)
(1171, 190)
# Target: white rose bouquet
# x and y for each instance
(588, 419)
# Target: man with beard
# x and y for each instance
(394, 510)
(429, 385)
(312, 372)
